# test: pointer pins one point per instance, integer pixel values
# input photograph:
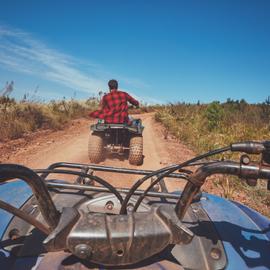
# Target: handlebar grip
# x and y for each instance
(248, 147)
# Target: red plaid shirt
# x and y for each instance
(115, 107)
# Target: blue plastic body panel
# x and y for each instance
(244, 233)
(259, 219)
(15, 193)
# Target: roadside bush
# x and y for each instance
(18, 118)
(214, 114)
(265, 110)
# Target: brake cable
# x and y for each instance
(85, 175)
(167, 171)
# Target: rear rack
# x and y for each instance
(101, 127)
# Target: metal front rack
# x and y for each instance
(107, 169)
(82, 169)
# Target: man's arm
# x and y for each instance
(99, 113)
(103, 103)
(132, 100)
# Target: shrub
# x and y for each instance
(18, 118)
(214, 114)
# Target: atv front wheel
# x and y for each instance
(136, 150)
(95, 148)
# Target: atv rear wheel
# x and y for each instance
(95, 148)
(136, 150)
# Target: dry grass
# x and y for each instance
(204, 127)
(208, 126)
(19, 118)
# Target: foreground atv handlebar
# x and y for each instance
(123, 239)
(223, 167)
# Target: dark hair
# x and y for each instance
(113, 84)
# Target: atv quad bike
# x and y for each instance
(48, 223)
(116, 138)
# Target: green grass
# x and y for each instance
(203, 127)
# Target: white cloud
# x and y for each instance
(22, 53)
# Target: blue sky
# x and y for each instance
(160, 51)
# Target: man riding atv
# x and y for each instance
(117, 133)
(114, 105)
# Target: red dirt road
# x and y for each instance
(41, 149)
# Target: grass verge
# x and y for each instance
(207, 126)
(19, 118)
